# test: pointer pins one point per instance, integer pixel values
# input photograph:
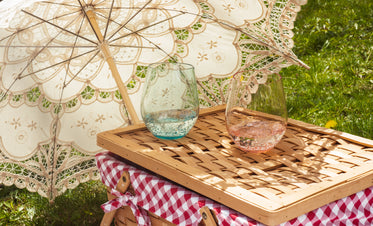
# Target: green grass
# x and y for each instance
(79, 206)
(335, 38)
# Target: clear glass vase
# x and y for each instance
(256, 114)
(169, 104)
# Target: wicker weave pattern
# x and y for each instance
(300, 159)
(304, 164)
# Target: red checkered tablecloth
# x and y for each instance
(181, 206)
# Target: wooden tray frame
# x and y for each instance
(344, 165)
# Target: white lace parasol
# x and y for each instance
(73, 68)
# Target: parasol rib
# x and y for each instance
(135, 32)
(74, 47)
(108, 19)
(59, 63)
(61, 28)
(144, 28)
(114, 70)
(81, 69)
(59, 3)
(133, 16)
(37, 24)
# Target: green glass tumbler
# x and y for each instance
(169, 103)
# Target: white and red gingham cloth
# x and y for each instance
(181, 206)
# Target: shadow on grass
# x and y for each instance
(79, 206)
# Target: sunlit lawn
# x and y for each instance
(334, 37)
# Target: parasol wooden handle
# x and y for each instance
(113, 67)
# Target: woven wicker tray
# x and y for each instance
(310, 167)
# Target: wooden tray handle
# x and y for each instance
(208, 217)
(122, 186)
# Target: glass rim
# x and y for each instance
(187, 66)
